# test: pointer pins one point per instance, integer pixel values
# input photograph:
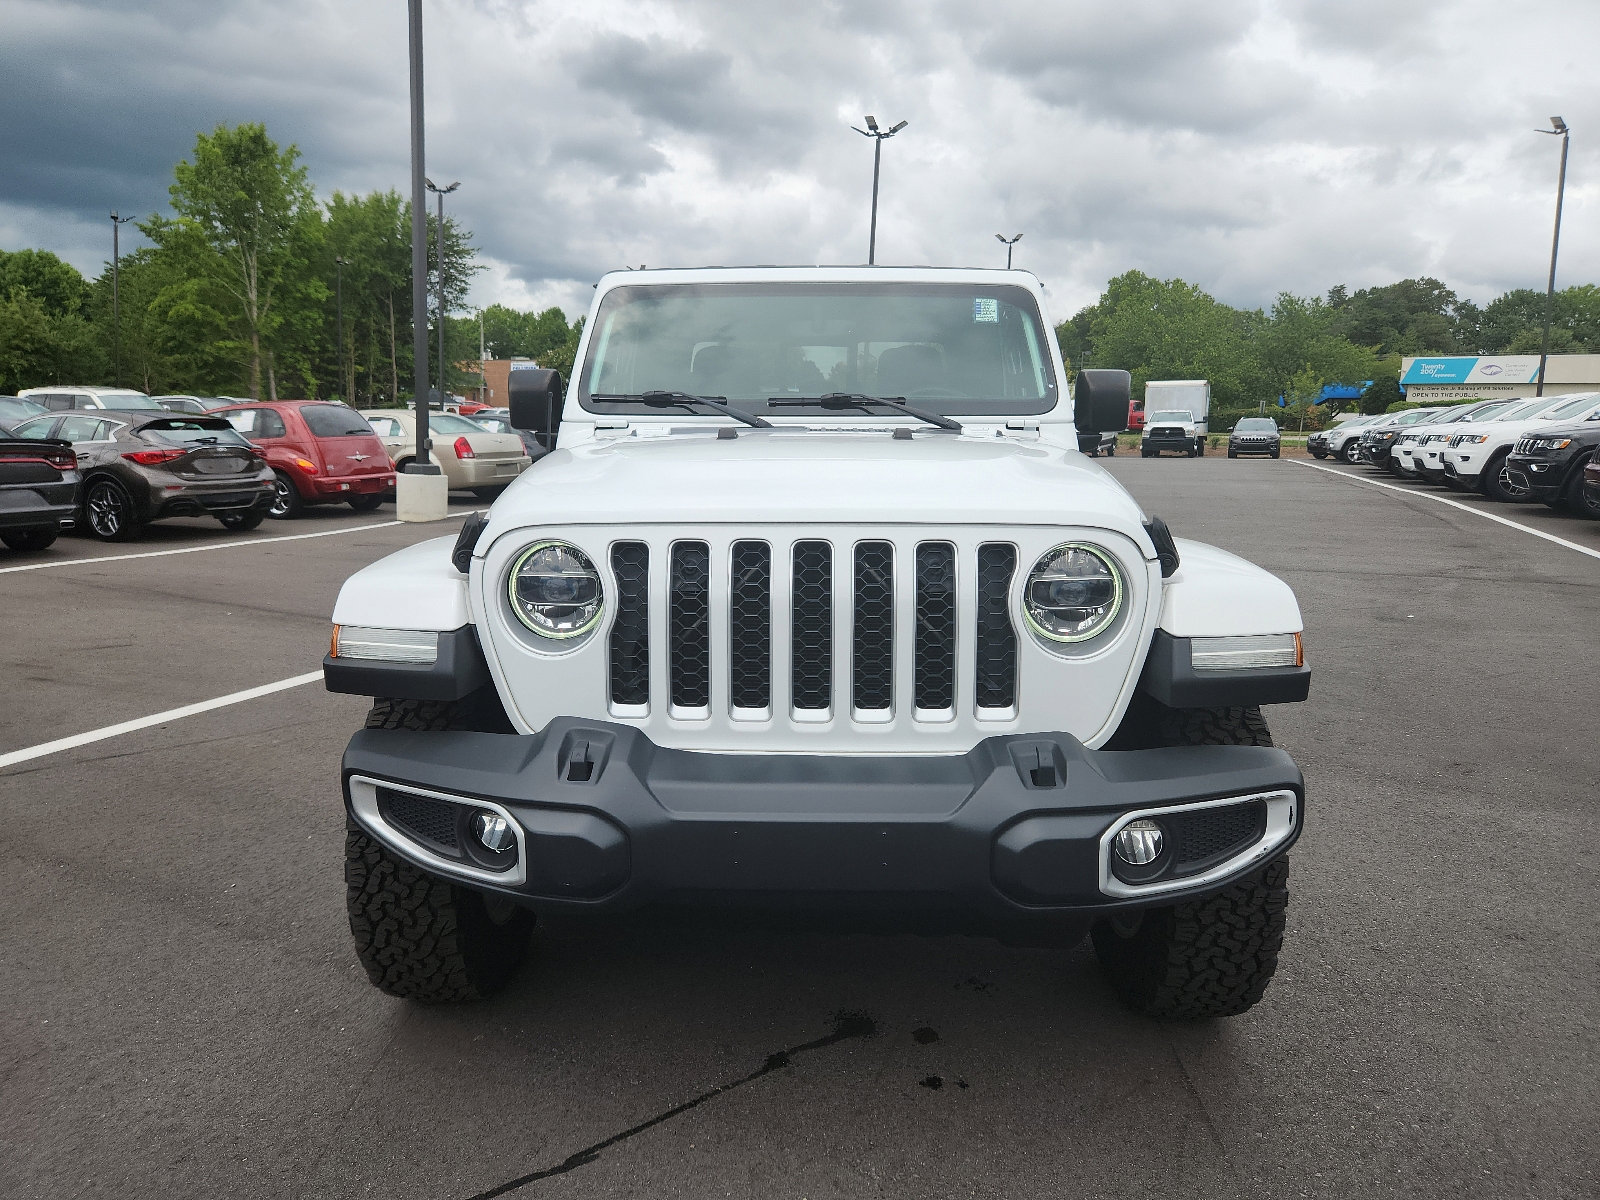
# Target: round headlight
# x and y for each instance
(555, 590)
(1074, 592)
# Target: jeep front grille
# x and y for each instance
(689, 639)
(852, 629)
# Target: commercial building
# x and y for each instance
(1467, 377)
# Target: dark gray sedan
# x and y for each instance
(1255, 435)
(139, 467)
(38, 490)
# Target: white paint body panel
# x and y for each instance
(414, 588)
(1217, 594)
(839, 477)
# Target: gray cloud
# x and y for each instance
(1247, 145)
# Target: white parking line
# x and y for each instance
(1466, 508)
(172, 714)
(231, 545)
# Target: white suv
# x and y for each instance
(65, 396)
(1475, 456)
(1423, 445)
(817, 606)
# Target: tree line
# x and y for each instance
(1171, 329)
(241, 287)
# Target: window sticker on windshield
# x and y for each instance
(986, 309)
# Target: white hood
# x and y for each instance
(795, 475)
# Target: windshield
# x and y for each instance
(128, 400)
(1572, 408)
(334, 420)
(951, 348)
(1171, 414)
(1257, 425)
(450, 423)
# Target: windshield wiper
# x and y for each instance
(658, 399)
(860, 400)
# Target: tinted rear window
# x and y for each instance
(335, 420)
(193, 433)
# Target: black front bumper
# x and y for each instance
(1156, 443)
(1015, 831)
(1256, 447)
(1543, 477)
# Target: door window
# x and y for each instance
(83, 429)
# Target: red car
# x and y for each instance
(321, 453)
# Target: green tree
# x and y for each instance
(1413, 316)
(56, 285)
(247, 231)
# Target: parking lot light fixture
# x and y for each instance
(1558, 128)
(116, 313)
(878, 136)
(441, 192)
(1008, 243)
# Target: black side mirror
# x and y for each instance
(534, 399)
(1100, 400)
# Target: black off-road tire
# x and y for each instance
(1204, 958)
(1198, 959)
(418, 936)
(422, 938)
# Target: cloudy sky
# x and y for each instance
(1249, 146)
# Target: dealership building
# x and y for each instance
(1469, 377)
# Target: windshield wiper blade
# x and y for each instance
(659, 399)
(861, 400)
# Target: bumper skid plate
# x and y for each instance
(1021, 826)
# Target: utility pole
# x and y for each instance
(339, 265)
(441, 192)
(1008, 242)
(116, 312)
(1558, 129)
(879, 136)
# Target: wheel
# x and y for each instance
(1200, 448)
(108, 512)
(1351, 452)
(38, 539)
(244, 521)
(1205, 958)
(1233, 454)
(286, 501)
(1143, 453)
(1319, 455)
(1495, 482)
(1577, 500)
(418, 936)
(1111, 450)
(487, 493)
(365, 504)
(1275, 454)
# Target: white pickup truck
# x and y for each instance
(817, 606)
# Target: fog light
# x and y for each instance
(494, 831)
(1139, 843)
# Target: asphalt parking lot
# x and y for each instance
(181, 1013)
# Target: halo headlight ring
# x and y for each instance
(1081, 631)
(579, 611)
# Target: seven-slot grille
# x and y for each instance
(982, 642)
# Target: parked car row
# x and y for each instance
(1515, 449)
(108, 461)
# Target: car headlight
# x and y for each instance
(1549, 443)
(1073, 592)
(555, 590)
(1471, 439)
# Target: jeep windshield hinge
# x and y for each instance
(467, 542)
(1166, 548)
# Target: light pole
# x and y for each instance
(1008, 242)
(116, 312)
(878, 136)
(1558, 129)
(441, 192)
(339, 264)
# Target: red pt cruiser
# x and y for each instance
(320, 452)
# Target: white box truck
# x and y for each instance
(1192, 396)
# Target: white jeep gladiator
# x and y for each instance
(817, 607)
